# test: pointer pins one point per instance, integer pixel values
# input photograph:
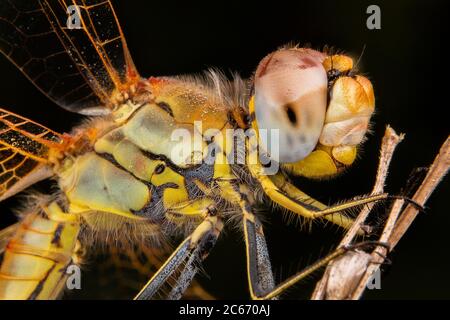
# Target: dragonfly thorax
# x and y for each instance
(147, 162)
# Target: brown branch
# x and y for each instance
(388, 146)
(438, 170)
(395, 229)
(379, 253)
(347, 277)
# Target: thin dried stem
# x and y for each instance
(434, 176)
(358, 266)
(379, 253)
(395, 229)
(388, 146)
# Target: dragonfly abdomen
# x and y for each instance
(37, 256)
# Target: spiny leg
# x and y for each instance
(261, 285)
(259, 268)
(194, 248)
(260, 277)
(307, 210)
(311, 211)
(187, 275)
(319, 210)
(307, 201)
(254, 235)
(259, 271)
(257, 291)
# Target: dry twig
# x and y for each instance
(347, 276)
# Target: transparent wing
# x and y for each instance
(24, 149)
(72, 50)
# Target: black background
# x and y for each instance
(407, 62)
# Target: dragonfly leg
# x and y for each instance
(254, 235)
(259, 268)
(186, 277)
(288, 196)
(258, 290)
(259, 272)
(316, 208)
(260, 277)
(189, 253)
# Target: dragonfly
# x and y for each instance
(129, 174)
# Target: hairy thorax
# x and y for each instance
(139, 169)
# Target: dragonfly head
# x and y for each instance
(320, 107)
(291, 97)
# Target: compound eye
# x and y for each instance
(291, 96)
